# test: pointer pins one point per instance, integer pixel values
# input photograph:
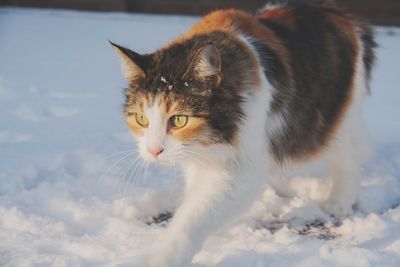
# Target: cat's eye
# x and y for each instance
(142, 120)
(179, 121)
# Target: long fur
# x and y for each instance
(263, 95)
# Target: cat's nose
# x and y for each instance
(155, 151)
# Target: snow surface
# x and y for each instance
(69, 198)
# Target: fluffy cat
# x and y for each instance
(239, 99)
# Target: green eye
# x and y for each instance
(179, 121)
(142, 120)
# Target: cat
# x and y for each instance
(238, 99)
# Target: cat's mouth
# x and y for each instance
(164, 160)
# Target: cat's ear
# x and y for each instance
(206, 64)
(131, 63)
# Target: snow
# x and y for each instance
(71, 193)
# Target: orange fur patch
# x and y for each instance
(233, 20)
(194, 129)
(282, 16)
(130, 118)
(135, 128)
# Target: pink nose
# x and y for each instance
(155, 151)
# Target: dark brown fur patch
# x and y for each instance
(323, 48)
(369, 44)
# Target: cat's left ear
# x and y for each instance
(132, 63)
(206, 64)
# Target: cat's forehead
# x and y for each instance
(173, 81)
(171, 84)
(169, 102)
(168, 77)
(145, 99)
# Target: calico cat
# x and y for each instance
(240, 98)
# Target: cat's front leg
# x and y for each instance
(172, 249)
(177, 245)
(211, 200)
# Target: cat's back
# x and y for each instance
(329, 53)
(309, 54)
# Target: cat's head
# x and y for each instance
(186, 96)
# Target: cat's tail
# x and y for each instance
(368, 46)
(272, 4)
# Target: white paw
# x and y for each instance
(337, 208)
(170, 253)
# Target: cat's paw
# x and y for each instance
(167, 258)
(170, 253)
(338, 209)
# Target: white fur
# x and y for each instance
(349, 149)
(222, 182)
(155, 136)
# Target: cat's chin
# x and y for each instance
(163, 162)
(158, 161)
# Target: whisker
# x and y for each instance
(133, 171)
(118, 161)
(125, 170)
(138, 174)
(123, 177)
(173, 187)
(121, 152)
(143, 176)
(100, 179)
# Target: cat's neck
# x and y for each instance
(213, 157)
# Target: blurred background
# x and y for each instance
(382, 12)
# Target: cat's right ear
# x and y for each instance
(132, 63)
